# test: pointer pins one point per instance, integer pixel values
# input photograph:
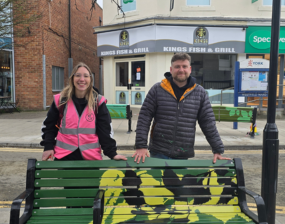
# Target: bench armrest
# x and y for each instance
(98, 207)
(16, 205)
(261, 211)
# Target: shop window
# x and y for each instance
(215, 72)
(129, 5)
(198, 2)
(6, 74)
(122, 72)
(138, 73)
(269, 2)
(57, 78)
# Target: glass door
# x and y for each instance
(130, 81)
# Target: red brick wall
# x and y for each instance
(50, 36)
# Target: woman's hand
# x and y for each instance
(119, 157)
(48, 154)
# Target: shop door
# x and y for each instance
(130, 82)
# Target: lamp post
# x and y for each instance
(270, 151)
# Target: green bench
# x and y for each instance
(236, 114)
(121, 192)
(121, 111)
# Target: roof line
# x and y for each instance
(193, 19)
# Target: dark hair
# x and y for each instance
(181, 56)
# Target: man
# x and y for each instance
(176, 104)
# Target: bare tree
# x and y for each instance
(16, 16)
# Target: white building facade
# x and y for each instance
(137, 46)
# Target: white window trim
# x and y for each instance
(120, 12)
(200, 5)
(128, 14)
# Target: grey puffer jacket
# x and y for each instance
(174, 124)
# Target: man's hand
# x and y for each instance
(140, 153)
(119, 157)
(48, 154)
(217, 156)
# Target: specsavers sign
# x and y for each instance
(258, 39)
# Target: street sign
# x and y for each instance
(253, 1)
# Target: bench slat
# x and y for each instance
(232, 114)
(60, 212)
(153, 173)
(119, 192)
(138, 211)
(238, 218)
(62, 217)
(172, 210)
(117, 111)
(136, 192)
(149, 163)
(91, 182)
(137, 201)
(217, 218)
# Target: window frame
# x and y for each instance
(282, 3)
(57, 76)
(210, 3)
(130, 10)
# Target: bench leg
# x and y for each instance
(130, 115)
(130, 126)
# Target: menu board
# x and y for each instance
(254, 81)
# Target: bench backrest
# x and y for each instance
(156, 182)
(239, 114)
(118, 111)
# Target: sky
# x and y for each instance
(100, 2)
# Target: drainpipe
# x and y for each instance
(70, 60)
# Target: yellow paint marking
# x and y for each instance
(20, 150)
(279, 209)
(7, 204)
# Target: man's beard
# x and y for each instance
(180, 79)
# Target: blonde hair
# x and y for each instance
(68, 91)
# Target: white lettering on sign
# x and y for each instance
(122, 52)
(224, 50)
(106, 53)
(257, 39)
(141, 50)
(175, 49)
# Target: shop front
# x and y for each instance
(137, 58)
(258, 39)
(6, 70)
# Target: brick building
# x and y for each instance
(49, 36)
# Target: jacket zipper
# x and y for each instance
(175, 127)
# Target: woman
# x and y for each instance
(79, 119)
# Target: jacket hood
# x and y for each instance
(190, 81)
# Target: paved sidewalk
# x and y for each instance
(24, 130)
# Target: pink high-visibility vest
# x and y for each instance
(77, 132)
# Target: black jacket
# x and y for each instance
(103, 127)
(174, 121)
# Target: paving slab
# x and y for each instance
(24, 130)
